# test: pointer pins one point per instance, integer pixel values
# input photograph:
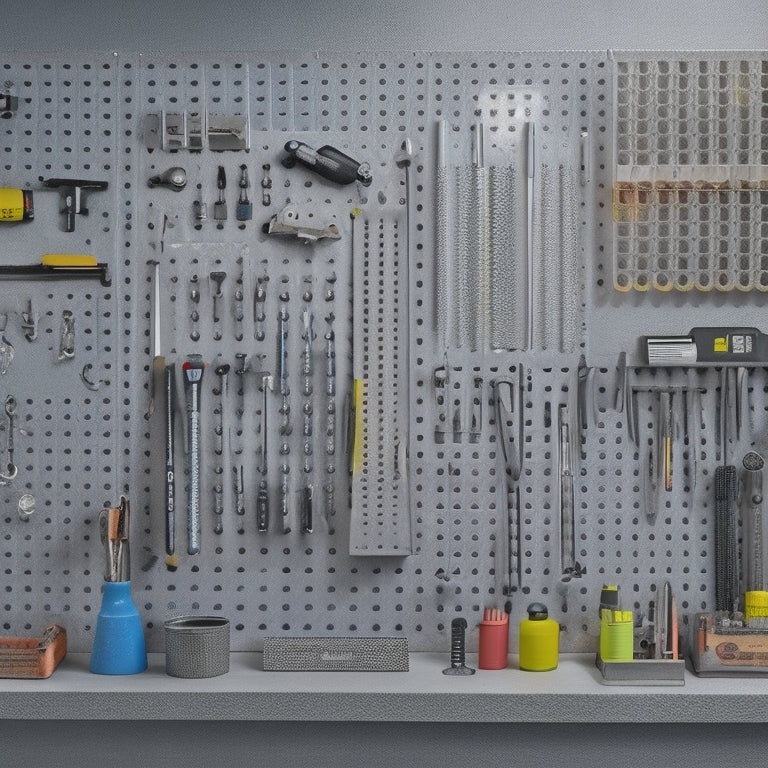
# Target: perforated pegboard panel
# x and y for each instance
(80, 443)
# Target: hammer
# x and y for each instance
(73, 193)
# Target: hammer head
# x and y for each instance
(73, 189)
(55, 183)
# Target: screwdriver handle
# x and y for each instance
(328, 162)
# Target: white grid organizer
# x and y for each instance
(691, 180)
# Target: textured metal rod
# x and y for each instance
(548, 301)
(507, 297)
(462, 321)
(531, 172)
(443, 254)
(569, 259)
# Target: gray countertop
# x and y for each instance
(572, 693)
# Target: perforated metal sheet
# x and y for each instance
(91, 116)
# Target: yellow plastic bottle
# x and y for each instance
(539, 640)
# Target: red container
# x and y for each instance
(494, 641)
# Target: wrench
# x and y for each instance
(11, 469)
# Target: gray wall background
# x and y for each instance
(351, 25)
(355, 25)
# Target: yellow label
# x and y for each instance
(11, 204)
(721, 344)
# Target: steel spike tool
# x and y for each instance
(569, 566)
(531, 172)
(193, 375)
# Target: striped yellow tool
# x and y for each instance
(359, 391)
(56, 266)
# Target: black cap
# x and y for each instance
(537, 611)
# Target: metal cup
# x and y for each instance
(197, 646)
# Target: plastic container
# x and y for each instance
(616, 635)
(539, 640)
(33, 657)
(118, 647)
(493, 645)
(755, 604)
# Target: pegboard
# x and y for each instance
(427, 298)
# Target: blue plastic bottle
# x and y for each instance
(118, 647)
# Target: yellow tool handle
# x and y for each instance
(359, 389)
(71, 260)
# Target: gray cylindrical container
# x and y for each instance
(196, 646)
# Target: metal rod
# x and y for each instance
(170, 471)
(531, 171)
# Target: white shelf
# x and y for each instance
(571, 694)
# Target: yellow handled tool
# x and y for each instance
(55, 266)
(16, 204)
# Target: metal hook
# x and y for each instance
(84, 375)
(507, 397)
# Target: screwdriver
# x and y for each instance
(220, 206)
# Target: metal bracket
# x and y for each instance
(290, 222)
(196, 131)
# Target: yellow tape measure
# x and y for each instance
(16, 204)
